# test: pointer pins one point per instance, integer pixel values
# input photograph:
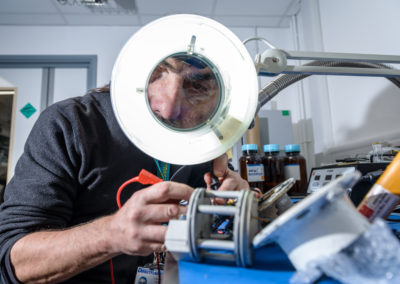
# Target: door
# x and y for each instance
(39, 85)
(7, 122)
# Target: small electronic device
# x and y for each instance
(323, 175)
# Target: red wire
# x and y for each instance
(135, 179)
(158, 268)
(112, 272)
(144, 177)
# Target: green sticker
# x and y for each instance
(28, 110)
(285, 112)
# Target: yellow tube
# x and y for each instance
(384, 194)
(390, 179)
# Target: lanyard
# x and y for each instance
(162, 169)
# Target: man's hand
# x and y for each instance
(56, 255)
(228, 179)
(137, 227)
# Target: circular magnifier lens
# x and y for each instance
(205, 112)
(183, 92)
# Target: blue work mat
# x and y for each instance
(271, 265)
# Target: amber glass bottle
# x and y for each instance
(273, 166)
(251, 167)
(295, 166)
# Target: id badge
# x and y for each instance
(148, 275)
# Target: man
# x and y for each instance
(183, 92)
(59, 219)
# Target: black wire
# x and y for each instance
(177, 171)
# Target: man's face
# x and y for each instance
(183, 93)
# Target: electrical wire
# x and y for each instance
(135, 179)
(158, 267)
(144, 177)
(177, 171)
(112, 272)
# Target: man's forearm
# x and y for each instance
(54, 256)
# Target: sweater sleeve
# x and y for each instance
(42, 191)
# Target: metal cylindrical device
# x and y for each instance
(203, 245)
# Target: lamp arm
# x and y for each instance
(284, 80)
(274, 61)
(334, 56)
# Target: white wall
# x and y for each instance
(4, 83)
(350, 113)
(105, 42)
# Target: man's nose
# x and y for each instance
(170, 107)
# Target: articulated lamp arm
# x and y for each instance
(274, 61)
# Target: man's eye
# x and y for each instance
(198, 97)
(198, 86)
(195, 86)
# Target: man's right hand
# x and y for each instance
(137, 229)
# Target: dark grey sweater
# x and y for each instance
(75, 158)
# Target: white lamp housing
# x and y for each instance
(231, 62)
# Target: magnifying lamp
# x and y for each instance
(184, 89)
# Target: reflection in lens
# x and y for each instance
(183, 91)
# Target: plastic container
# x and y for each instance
(251, 167)
(295, 166)
(384, 195)
(273, 166)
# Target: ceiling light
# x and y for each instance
(104, 6)
(82, 2)
(94, 2)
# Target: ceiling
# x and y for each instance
(243, 13)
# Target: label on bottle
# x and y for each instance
(255, 172)
(292, 170)
(379, 202)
